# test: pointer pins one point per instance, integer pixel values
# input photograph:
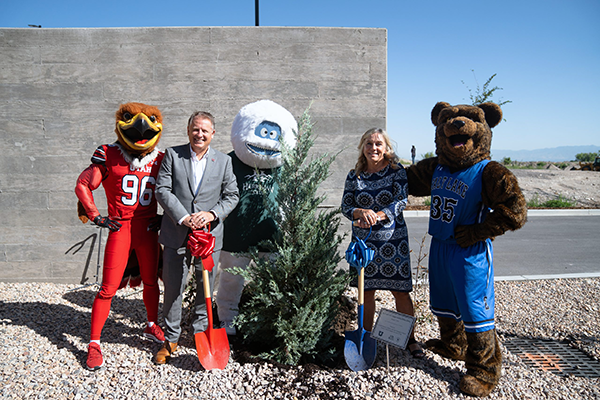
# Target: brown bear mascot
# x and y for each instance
(127, 170)
(473, 200)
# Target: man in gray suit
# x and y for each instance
(197, 189)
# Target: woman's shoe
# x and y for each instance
(415, 349)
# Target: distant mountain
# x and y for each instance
(562, 153)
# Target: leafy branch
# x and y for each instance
(484, 93)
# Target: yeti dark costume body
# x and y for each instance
(473, 200)
(256, 135)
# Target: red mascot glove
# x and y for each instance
(107, 222)
(202, 244)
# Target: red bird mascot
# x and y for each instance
(127, 169)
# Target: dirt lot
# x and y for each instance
(581, 187)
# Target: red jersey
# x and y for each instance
(129, 190)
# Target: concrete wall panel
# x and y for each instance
(60, 88)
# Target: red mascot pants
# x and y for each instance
(133, 235)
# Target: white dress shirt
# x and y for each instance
(198, 168)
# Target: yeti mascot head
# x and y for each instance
(257, 131)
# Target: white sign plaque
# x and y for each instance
(393, 328)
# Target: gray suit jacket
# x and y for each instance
(174, 192)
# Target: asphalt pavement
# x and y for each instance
(552, 244)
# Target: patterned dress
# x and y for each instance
(387, 191)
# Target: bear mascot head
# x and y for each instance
(463, 134)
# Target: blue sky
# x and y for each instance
(546, 53)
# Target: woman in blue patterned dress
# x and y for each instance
(375, 193)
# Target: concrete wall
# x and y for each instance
(60, 88)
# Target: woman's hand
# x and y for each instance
(365, 218)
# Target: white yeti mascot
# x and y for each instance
(256, 135)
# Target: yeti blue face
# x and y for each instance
(271, 132)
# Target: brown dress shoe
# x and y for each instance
(164, 354)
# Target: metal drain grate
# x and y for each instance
(553, 356)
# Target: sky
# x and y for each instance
(545, 54)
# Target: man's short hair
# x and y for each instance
(203, 115)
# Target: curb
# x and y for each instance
(515, 278)
(546, 277)
(561, 213)
(530, 213)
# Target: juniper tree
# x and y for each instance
(291, 300)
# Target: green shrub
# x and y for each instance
(586, 157)
(534, 202)
(506, 161)
(560, 202)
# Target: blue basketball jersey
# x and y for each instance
(456, 200)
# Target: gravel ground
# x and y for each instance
(44, 331)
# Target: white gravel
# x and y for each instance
(44, 331)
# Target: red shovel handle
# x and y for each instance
(208, 297)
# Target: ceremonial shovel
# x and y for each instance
(212, 345)
(360, 348)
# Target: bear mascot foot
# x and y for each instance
(453, 342)
(475, 387)
(483, 362)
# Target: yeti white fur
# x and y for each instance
(257, 131)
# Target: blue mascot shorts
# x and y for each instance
(461, 283)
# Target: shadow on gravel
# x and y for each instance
(402, 358)
(306, 380)
(186, 362)
(306, 376)
(51, 321)
(57, 322)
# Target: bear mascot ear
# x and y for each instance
(493, 113)
(436, 111)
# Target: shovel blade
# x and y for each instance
(212, 347)
(360, 350)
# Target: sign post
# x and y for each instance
(393, 328)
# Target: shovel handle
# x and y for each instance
(361, 301)
(207, 295)
(206, 284)
(361, 286)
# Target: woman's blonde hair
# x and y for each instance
(389, 155)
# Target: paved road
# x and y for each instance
(549, 244)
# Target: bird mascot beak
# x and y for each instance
(140, 133)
